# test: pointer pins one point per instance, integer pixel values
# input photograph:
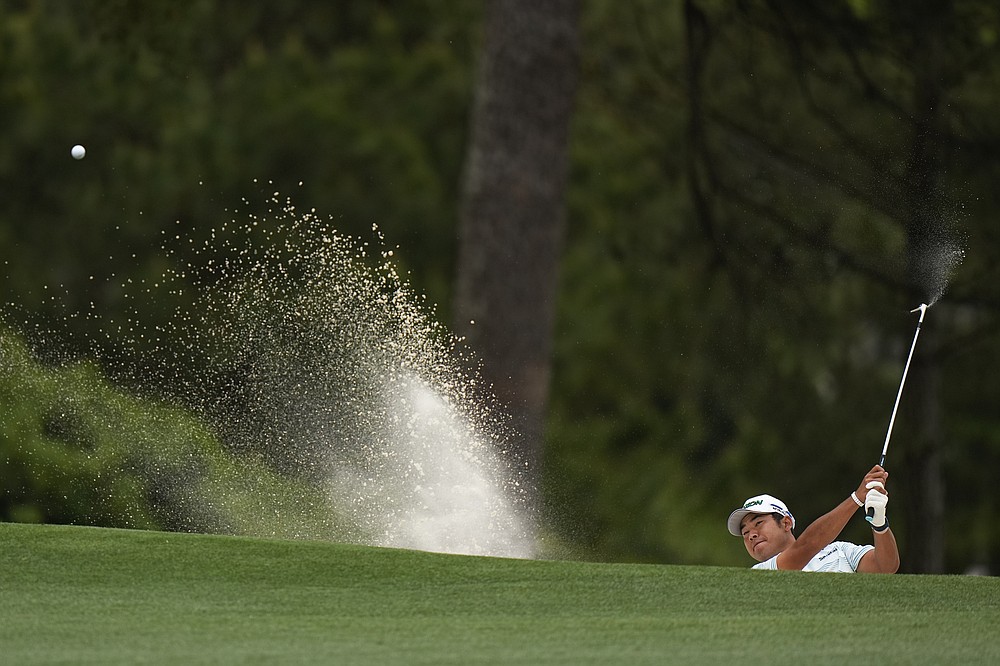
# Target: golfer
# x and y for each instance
(766, 525)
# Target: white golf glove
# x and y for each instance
(875, 502)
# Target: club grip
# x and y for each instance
(870, 514)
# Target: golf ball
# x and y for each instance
(78, 152)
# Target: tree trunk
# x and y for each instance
(513, 206)
(923, 551)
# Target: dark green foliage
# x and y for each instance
(744, 246)
(365, 123)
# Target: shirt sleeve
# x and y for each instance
(853, 552)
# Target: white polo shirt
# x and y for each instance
(839, 557)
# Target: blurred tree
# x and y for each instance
(753, 185)
(513, 205)
(877, 82)
(193, 117)
(199, 119)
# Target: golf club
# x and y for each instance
(885, 448)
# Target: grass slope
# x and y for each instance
(85, 595)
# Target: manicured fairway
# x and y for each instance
(98, 596)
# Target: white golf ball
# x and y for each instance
(78, 152)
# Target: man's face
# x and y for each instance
(764, 536)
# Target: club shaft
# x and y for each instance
(899, 394)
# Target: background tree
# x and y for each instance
(882, 68)
(795, 132)
(513, 205)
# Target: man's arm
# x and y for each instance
(885, 557)
(825, 529)
(821, 533)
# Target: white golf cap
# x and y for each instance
(758, 504)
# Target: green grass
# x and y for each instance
(85, 595)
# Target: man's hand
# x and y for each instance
(876, 474)
(875, 502)
(885, 557)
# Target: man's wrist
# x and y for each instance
(882, 528)
(857, 500)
